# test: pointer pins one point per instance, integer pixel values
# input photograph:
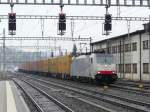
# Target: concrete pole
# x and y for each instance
(149, 45)
(4, 50)
(91, 46)
(4, 53)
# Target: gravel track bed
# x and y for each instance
(45, 104)
(73, 100)
(145, 88)
(27, 100)
(131, 89)
(96, 88)
(132, 82)
(97, 101)
(146, 85)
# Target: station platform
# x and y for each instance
(11, 99)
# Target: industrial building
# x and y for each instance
(131, 53)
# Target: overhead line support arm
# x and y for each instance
(77, 17)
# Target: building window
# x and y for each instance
(114, 49)
(134, 67)
(145, 44)
(120, 49)
(134, 46)
(120, 68)
(109, 49)
(128, 68)
(145, 68)
(127, 47)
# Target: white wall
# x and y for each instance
(131, 57)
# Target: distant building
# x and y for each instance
(131, 52)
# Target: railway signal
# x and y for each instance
(62, 23)
(12, 23)
(108, 25)
(108, 19)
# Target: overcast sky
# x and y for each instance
(84, 28)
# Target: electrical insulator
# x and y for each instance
(108, 20)
(12, 21)
(62, 21)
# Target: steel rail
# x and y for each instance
(131, 89)
(65, 108)
(124, 89)
(85, 101)
(110, 95)
(31, 99)
(145, 86)
(114, 102)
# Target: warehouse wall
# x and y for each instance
(130, 55)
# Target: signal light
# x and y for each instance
(62, 26)
(62, 21)
(62, 17)
(12, 21)
(108, 20)
(107, 27)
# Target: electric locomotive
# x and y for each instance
(97, 66)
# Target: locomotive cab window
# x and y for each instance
(105, 59)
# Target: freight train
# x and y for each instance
(95, 67)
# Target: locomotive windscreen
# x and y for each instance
(105, 59)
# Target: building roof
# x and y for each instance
(120, 36)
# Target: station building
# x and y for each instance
(131, 53)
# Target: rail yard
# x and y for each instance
(74, 55)
(47, 94)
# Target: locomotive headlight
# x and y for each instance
(113, 72)
(99, 72)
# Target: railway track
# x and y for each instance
(90, 104)
(133, 89)
(41, 100)
(134, 84)
(133, 105)
(138, 91)
(130, 93)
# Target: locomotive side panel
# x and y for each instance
(81, 66)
